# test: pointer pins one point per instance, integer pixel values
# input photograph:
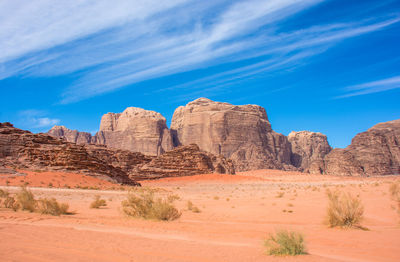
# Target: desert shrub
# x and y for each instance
(10, 202)
(394, 190)
(3, 193)
(344, 210)
(192, 207)
(280, 194)
(98, 202)
(26, 200)
(145, 205)
(51, 207)
(285, 243)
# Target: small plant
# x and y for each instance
(394, 190)
(344, 210)
(3, 193)
(26, 200)
(280, 194)
(145, 205)
(50, 184)
(216, 198)
(51, 207)
(98, 202)
(285, 243)
(192, 207)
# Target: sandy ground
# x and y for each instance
(237, 214)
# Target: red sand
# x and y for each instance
(237, 214)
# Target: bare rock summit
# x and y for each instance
(307, 147)
(241, 133)
(371, 153)
(69, 135)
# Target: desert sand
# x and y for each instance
(238, 212)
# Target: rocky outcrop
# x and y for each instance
(371, 153)
(241, 133)
(183, 161)
(22, 149)
(137, 130)
(69, 135)
(307, 147)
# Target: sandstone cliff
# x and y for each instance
(137, 130)
(307, 147)
(371, 153)
(241, 133)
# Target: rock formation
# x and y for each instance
(22, 149)
(137, 130)
(241, 133)
(307, 147)
(371, 153)
(69, 135)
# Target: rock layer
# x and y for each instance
(371, 153)
(22, 149)
(241, 133)
(307, 147)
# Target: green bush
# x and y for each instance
(98, 202)
(145, 205)
(285, 243)
(344, 210)
(52, 207)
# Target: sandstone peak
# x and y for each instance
(307, 147)
(240, 132)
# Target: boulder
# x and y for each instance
(375, 152)
(241, 133)
(307, 147)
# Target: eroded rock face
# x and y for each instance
(183, 161)
(371, 153)
(69, 135)
(307, 147)
(241, 133)
(22, 149)
(137, 130)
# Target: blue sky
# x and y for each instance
(328, 66)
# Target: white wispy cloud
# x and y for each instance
(372, 87)
(113, 44)
(35, 119)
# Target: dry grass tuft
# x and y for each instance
(145, 205)
(98, 202)
(52, 207)
(26, 200)
(344, 210)
(394, 190)
(285, 243)
(192, 207)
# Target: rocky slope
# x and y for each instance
(371, 153)
(307, 147)
(241, 133)
(22, 149)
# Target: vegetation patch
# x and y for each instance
(52, 207)
(98, 202)
(285, 243)
(344, 210)
(144, 204)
